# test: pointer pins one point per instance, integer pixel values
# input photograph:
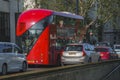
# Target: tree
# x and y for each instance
(103, 9)
(29, 4)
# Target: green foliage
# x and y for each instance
(104, 10)
(58, 5)
(107, 9)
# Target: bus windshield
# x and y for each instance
(30, 36)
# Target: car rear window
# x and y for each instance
(73, 48)
(101, 50)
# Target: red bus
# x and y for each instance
(42, 33)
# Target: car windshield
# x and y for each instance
(101, 50)
(73, 48)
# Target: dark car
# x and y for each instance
(106, 53)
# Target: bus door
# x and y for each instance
(52, 54)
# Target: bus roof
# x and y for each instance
(68, 14)
(64, 14)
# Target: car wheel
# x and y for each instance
(111, 57)
(4, 69)
(62, 64)
(24, 67)
(99, 59)
(89, 60)
(115, 57)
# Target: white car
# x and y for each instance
(77, 53)
(11, 58)
(117, 49)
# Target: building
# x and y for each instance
(112, 33)
(9, 10)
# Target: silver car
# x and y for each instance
(117, 49)
(77, 53)
(11, 58)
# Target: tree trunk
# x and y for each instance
(84, 29)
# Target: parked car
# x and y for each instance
(11, 58)
(76, 53)
(117, 49)
(106, 53)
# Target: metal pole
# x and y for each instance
(77, 6)
(18, 5)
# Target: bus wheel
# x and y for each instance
(58, 60)
(4, 69)
(89, 60)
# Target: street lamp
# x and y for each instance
(18, 5)
(77, 6)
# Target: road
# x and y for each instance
(31, 69)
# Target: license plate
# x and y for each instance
(72, 53)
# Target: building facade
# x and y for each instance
(112, 33)
(9, 10)
(112, 36)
